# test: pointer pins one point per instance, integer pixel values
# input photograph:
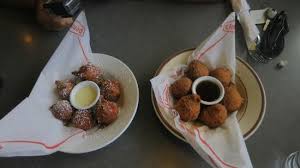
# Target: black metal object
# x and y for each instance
(272, 41)
(64, 8)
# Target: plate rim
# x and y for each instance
(127, 125)
(247, 135)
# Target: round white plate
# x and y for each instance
(248, 83)
(128, 103)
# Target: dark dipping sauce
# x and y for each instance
(208, 91)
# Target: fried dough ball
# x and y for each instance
(106, 112)
(213, 116)
(88, 72)
(188, 107)
(64, 88)
(232, 99)
(83, 119)
(181, 87)
(111, 90)
(62, 110)
(100, 81)
(223, 75)
(197, 69)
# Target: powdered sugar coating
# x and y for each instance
(111, 90)
(88, 72)
(83, 119)
(62, 110)
(64, 88)
(106, 112)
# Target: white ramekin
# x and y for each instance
(213, 80)
(78, 87)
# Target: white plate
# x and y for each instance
(99, 138)
(248, 83)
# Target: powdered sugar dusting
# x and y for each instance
(62, 110)
(106, 112)
(64, 88)
(83, 119)
(92, 68)
(88, 72)
(111, 90)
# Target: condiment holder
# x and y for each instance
(211, 89)
(85, 89)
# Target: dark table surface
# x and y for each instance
(143, 34)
